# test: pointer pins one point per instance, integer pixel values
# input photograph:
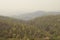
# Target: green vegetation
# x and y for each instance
(43, 28)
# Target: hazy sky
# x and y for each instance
(29, 5)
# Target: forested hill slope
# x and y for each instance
(49, 24)
(42, 28)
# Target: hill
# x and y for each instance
(33, 15)
(41, 28)
(50, 24)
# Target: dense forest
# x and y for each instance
(41, 28)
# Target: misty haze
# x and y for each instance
(29, 19)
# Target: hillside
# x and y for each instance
(41, 28)
(50, 24)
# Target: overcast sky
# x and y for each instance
(28, 5)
